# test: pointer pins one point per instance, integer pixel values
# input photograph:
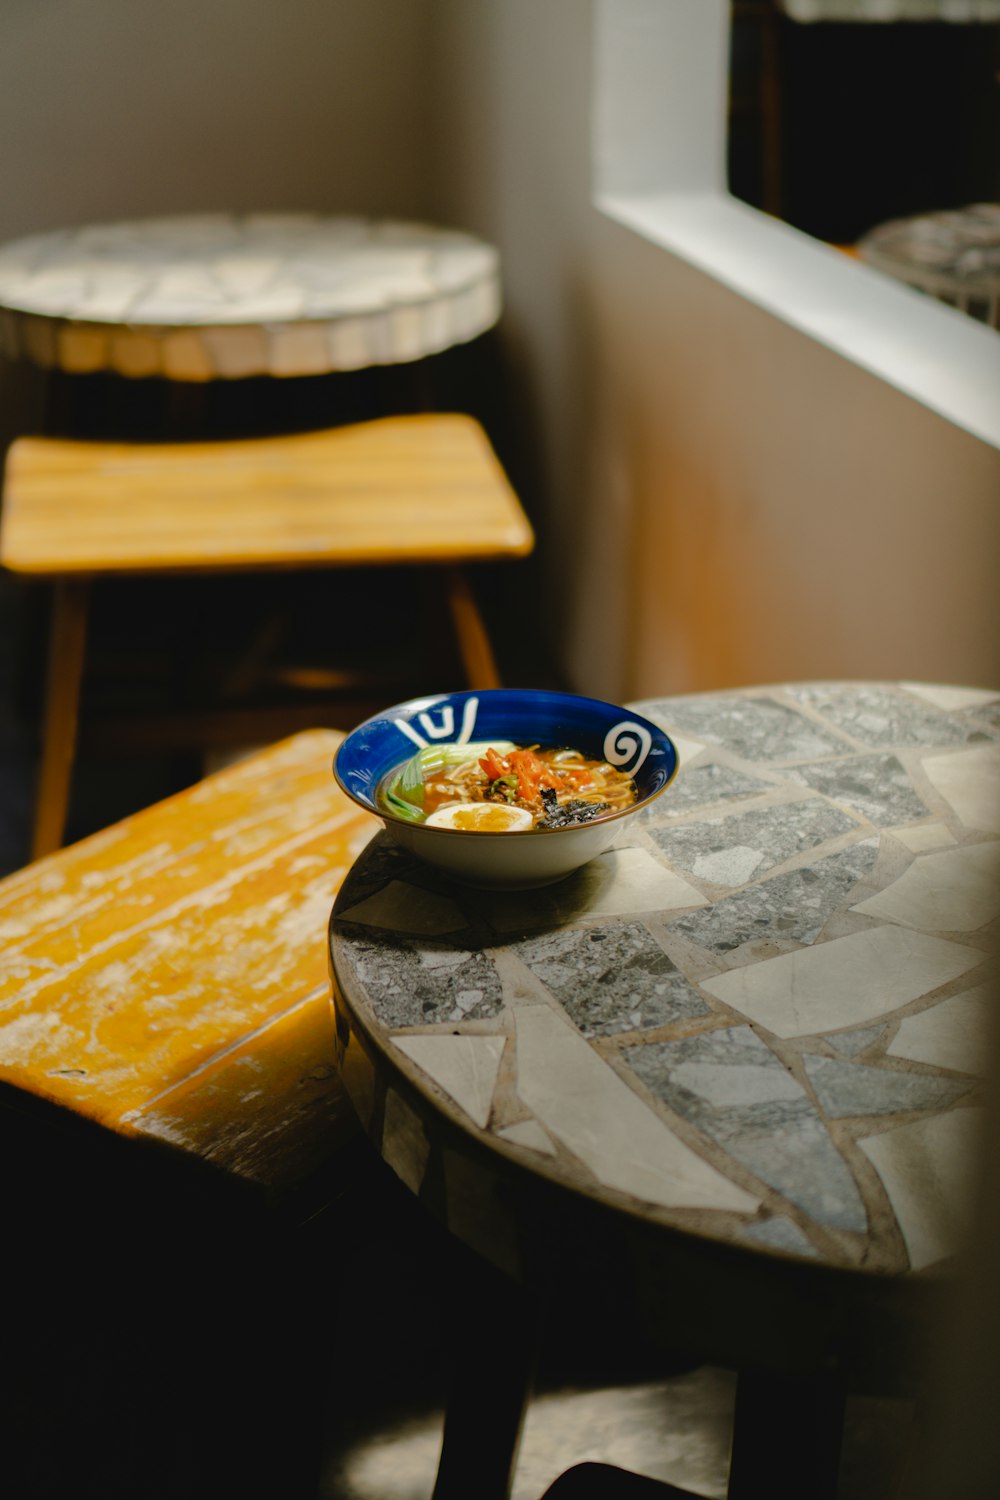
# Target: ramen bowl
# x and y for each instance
(372, 753)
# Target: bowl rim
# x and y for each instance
(429, 700)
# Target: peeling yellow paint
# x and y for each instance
(161, 959)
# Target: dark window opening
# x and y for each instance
(837, 128)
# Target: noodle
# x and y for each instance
(558, 787)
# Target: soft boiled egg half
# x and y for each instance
(481, 817)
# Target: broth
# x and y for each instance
(557, 787)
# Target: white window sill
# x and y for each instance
(933, 353)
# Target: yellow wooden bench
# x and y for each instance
(167, 977)
(181, 1171)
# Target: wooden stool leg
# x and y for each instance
(62, 704)
(473, 641)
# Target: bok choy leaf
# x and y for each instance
(405, 793)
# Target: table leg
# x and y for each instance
(492, 1339)
(786, 1437)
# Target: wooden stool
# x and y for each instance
(424, 490)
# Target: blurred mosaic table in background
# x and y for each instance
(953, 255)
(753, 1039)
(219, 296)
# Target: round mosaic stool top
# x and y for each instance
(221, 296)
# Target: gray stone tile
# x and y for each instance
(877, 716)
(875, 785)
(853, 1042)
(737, 847)
(416, 984)
(793, 907)
(611, 979)
(730, 1085)
(848, 1088)
(756, 729)
(990, 712)
(781, 1234)
(702, 785)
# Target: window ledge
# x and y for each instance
(925, 349)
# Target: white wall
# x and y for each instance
(726, 500)
(719, 499)
(115, 108)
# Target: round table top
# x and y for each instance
(758, 1021)
(222, 296)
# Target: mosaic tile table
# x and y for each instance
(726, 1081)
(217, 296)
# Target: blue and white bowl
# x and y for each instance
(528, 717)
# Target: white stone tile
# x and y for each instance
(339, 298)
(187, 283)
(581, 1101)
(927, 1170)
(244, 275)
(177, 312)
(622, 882)
(951, 698)
(357, 342)
(237, 352)
(370, 291)
(969, 781)
(272, 304)
(414, 286)
(110, 298)
(436, 326)
(406, 331)
(465, 1067)
(955, 891)
(528, 1133)
(952, 1034)
(924, 836)
(475, 310)
(52, 293)
(404, 1144)
(301, 350)
(400, 907)
(845, 982)
(686, 749)
(628, 881)
(460, 265)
